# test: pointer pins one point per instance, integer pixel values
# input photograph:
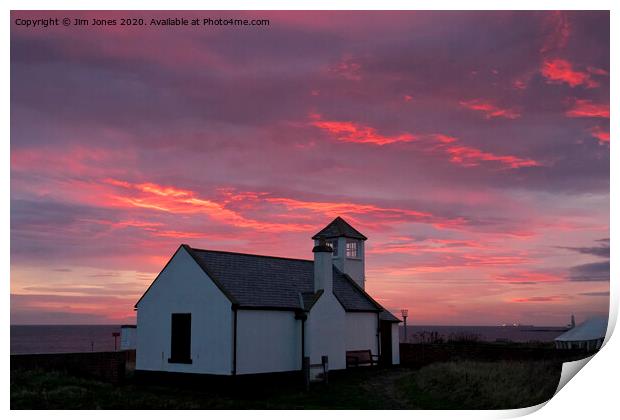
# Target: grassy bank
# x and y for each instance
(481, 385)
(452, 385)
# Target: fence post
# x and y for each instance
(325, 363)
(306, 372)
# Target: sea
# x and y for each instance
(37, 339)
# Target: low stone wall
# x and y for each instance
(109, 366)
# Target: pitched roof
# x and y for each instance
(592, 329)
(339, 227)
(308, 299)
(261, 281)
(388, 316)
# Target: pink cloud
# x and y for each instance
(537, 299)
(525, 276)
(561, 71)
(471, 156)
(181, 201)
(585, 108)
(519, 84)
(601, 135)
(558, 30)
(351, 132)
(348, 69)
(490, 110)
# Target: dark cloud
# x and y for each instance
(598, 271)
(599, 251)
(595, 293)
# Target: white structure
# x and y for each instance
(226, 313)
(587, 336)
(128, 337)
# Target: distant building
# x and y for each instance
(587, 336)
(128, 337)
(226, 313)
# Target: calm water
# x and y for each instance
(27, 339)
(84, 338)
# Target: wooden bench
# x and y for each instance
(356, 358)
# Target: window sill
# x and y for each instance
(181, 361)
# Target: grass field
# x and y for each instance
(481, 385)
(450, 385)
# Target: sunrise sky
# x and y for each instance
(471, 148)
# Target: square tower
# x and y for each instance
(348, 246)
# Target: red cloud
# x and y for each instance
(445, 139)
(351, 132)
(537, 299)
(561, 71)
(584, 108)
(527, 277)
(233, 208)
(348, 131)
(489, 110)
(471, 156)
(174, 200)
(494, 260)
(601, 135)
(558, 31)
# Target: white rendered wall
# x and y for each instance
(326, 332)
(268, 341)
(361, 331)
(183, 287)
(395, 344)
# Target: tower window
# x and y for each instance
(334, 245)
(352, 249)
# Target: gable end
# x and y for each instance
(200, 264)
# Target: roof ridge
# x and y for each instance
(248, 254)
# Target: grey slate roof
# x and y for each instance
(273, 282)
(388, 316)
(339, 227)
(308, 299)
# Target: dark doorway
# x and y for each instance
(181, 338)
(386, 343)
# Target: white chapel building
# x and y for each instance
(227, 313)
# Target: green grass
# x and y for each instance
(57, 390)
(453, 385)
(482, 385)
